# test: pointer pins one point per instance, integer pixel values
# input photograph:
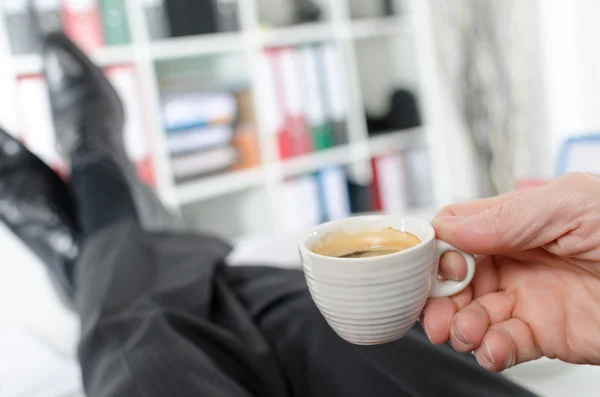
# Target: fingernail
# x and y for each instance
(453, 273)
(459, 335)
(486, 355)
(421, 320)
(510, 361)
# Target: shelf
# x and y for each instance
(215, 43)
(218, 185)
(380, 26)
(184, 47)
(106, 56)
(296, 34)
(394, 141)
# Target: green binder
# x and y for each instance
(322, 137)
(114, 20)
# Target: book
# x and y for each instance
(391, 183)
(193, 165)
(245, 141)
(289, 62)
(183, 110)
(334, 82)
(197, 139)
(333, 193)
(37, 126)
(156, 19)
(314, 104)
(115, 22)
(191, 17)
(82, 23)
(227, 15)
(245, 138)
(124, 80)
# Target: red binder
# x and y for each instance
(284, 138)
(83, 23)
(376, 204)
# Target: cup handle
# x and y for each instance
(450, 287)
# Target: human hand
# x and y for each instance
(536, 290)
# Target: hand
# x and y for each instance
(536, 290)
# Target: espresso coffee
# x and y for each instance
(365, 243)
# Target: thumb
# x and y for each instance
(521, 221)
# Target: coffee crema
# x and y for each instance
(365, 243)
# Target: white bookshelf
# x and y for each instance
(412, 24)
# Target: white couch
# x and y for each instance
(28, 300)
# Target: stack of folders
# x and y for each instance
(401, 181)
(208, 132)
(37, 131)
(303, 98)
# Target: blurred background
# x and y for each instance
(267, 116)
(264, 117)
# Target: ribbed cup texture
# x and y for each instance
(374, 301)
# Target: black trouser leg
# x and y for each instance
(162, 316)
(103, 196)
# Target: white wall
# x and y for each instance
(569, 39)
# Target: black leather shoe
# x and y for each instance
(38, 208)
(89, 118)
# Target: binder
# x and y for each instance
(391, 184)
(20, 27)
(299, 203)
(374, 191)
(419, 185)
(315, 107)
(310, 208)
(272, 95)
(288, 61)
(288, 205)
(49, 15)
(124, 80)
(156, 19)
(115, 22)
(334, 83)
(36, 122)
(333, 193)
(83, 24)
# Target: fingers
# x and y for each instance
(510, 222)
(506, 344)
(475, 207)
(438, 314)
(453, 266)
(485, 326)
(469, 325)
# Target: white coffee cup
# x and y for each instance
(377, 299)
